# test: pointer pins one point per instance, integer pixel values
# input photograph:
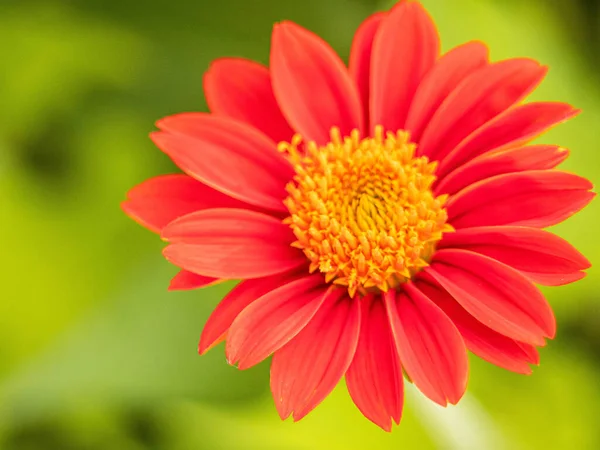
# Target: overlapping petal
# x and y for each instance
(515, 127)
(307, 369)
(534, 157)
(185, 281)
(533, 198)
(495, 294)
(241, 89)
(405, 48)
(160, 200)
(312, 85)
(483, 95)
(231, 244)
(360, 59)
(374, 378)
(245, 293)
(227, 155)
(431, 349)
(447, 73)
(479, 339)
(529, 250)
(273, 320)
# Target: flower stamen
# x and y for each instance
(362, 210)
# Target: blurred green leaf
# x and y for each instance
(140, 346)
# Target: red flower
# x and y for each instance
(383, 217)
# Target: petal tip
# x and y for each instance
(158, 137)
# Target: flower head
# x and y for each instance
(383, 217)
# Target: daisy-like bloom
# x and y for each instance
(384, 217)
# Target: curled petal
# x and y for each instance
(241, 89)
(227, 155)
(431, 348)
(307, 369)
(534, 198)
(312, 85)
(404, 50)
(495, 294)
(231, 244)
(374, 378)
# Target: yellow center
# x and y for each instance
(362, 210)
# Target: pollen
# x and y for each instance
(362, 209)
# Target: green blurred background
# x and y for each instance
(95, 354)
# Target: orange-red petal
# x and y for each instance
(245, 293)
(405, 48)
(534, 157)
(533, 198)
(227, 155)
(447, 73)
(185, 281)
(431, 349)
(360, 59)
(495, 294)
(479, 98)
(231, 244)
(374, 378)
(241, 89)
(307, 369)
(515, 127)
(162, 199)
(481, 340)
(312, 85)
(270, 322)
(530, 250)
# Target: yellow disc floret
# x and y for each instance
(362, 210)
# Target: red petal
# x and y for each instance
(273, 320)
(227, 155)
(405, 48)
(479, 98)
(231, 244)
(160, 200)
(534, 198)
(312, 85)
(374, 378)
(185, 281)
(526, 249)
(535, 157)
(550, 279)
(479, 339)
(241, 89)
(440, 81)
(515, 127)
(532, 353)
(233, 304)
(495, 294)
(431, 348)
(360, 58)
(307, 369)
